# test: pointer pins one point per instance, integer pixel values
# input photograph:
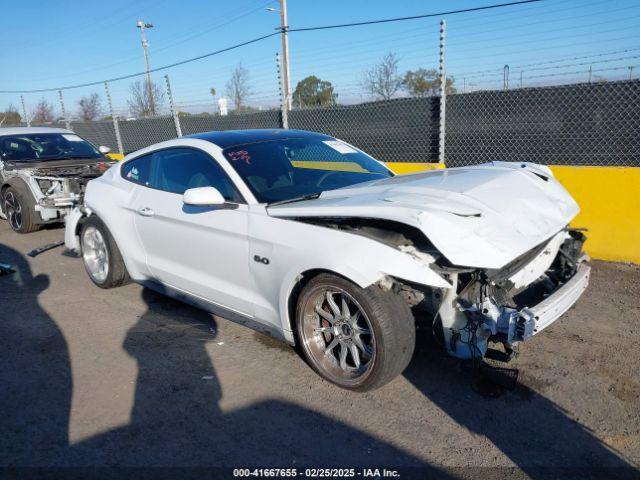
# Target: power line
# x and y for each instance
(157, 69)
(493, 73)
(248, 42)
(413, 17)
(557, 60)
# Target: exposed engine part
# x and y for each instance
(511, 305)
(56, 186)
(394, 234)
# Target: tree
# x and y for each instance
(382, 81)
(10, 116)
(213, 92)
(424, 83)
(89, 107)
(238, 86)
(43, 113)
(139, 101)
(312, 91)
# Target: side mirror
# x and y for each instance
(104, 150)
(203, 196)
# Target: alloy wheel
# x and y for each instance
(95, 254)
(13, 211)
(338, 335)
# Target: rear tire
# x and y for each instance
(359, 339)
(20, 210)
(100, 254)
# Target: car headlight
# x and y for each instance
(44, 185)
(49, 186)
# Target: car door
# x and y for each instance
(202, 250)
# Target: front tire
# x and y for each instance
(100, 254)
(19, 208)
(359, 339)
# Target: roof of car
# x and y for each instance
(230, 138)
(24, 130)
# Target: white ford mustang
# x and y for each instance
(309, 239)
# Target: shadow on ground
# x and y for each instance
(520, 423)
(188, 428)
(182, 413)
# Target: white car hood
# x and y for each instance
(483, 216)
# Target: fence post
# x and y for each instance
(443, 93)
(67, 123)
(174, 114)
(283, 105)
(505, 78)
(116, 127)
(24, 112)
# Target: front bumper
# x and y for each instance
(532, 320)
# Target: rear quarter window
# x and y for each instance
(138, 170)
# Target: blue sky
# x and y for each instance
(57, 43)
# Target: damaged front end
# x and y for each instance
(55, 189)
(513, 303)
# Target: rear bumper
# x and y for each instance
(533, 320)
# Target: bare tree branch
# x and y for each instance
(90, 107)
(138, 101)
(238, 86)
(43, 113)
(382, 81)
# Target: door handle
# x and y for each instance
(146, 212)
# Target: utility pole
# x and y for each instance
(285, 52)
(145, 47)
(630, 72)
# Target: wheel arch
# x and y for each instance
(17, 183)
(110, 230)
(294, 283)
(21, 185)
(294, 290)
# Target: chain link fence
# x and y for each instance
(583, 124)
(399, 130)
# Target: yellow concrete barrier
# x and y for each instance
(609, 199)
(413, 167)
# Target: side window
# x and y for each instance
(178, 169)
(138, 170)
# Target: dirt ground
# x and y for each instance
(93, 377)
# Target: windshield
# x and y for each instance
(45, 146)
(290, 168)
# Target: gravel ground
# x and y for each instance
(93, 377)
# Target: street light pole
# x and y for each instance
(145, 47)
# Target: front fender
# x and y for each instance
(362, 260)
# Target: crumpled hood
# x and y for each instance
(483, 216)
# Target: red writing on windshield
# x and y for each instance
(241, 155)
